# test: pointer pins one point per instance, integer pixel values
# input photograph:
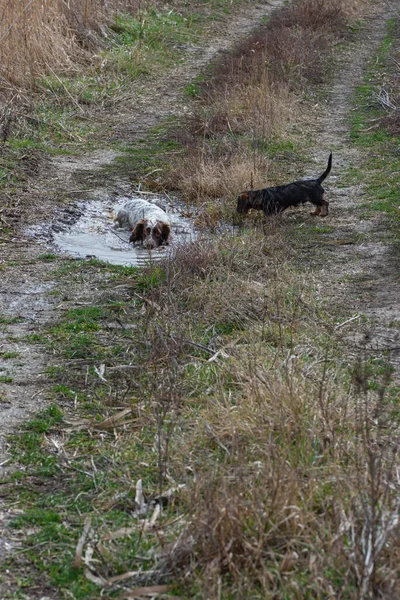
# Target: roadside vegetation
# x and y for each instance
(208, 435)
(216, 383)
(56, 42)
(67, 68)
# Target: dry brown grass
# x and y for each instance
(301, 494)
(50, 35)
(288, 453)
(226, 157)
(296, 44)
(226, 143)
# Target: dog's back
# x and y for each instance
(138, 209)
(148, 223)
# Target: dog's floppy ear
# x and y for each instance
(242, 202)
(137, 232)
(122, 218)
(165, 232)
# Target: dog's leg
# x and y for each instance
(317, 211)
(321, 207)
(324, 209)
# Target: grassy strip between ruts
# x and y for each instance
(217, 378)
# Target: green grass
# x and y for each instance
(54, 515)
(46, 419)
(157, 32)
(76, 335)
(9, 355)
(48, 257)
(321, 229)
(193, 89)
(288, 149)
(82, 332)
(10, 320)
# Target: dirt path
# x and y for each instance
(154, 104)
(360, 270)
(28, 300)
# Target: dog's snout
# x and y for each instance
(149, 244)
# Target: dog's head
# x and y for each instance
(243, 203)
(151, 234)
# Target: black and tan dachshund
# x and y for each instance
(274, 200)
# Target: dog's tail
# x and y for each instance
(327, 171)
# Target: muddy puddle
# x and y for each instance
(87, 230)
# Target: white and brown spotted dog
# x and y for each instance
(148, 222)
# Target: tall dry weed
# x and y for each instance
(304, 498)
(298, 504)
(50, 35)
(293, 457)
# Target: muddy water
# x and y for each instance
(93, 233)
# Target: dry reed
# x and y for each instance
(50, 35)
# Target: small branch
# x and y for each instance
(348, 321)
